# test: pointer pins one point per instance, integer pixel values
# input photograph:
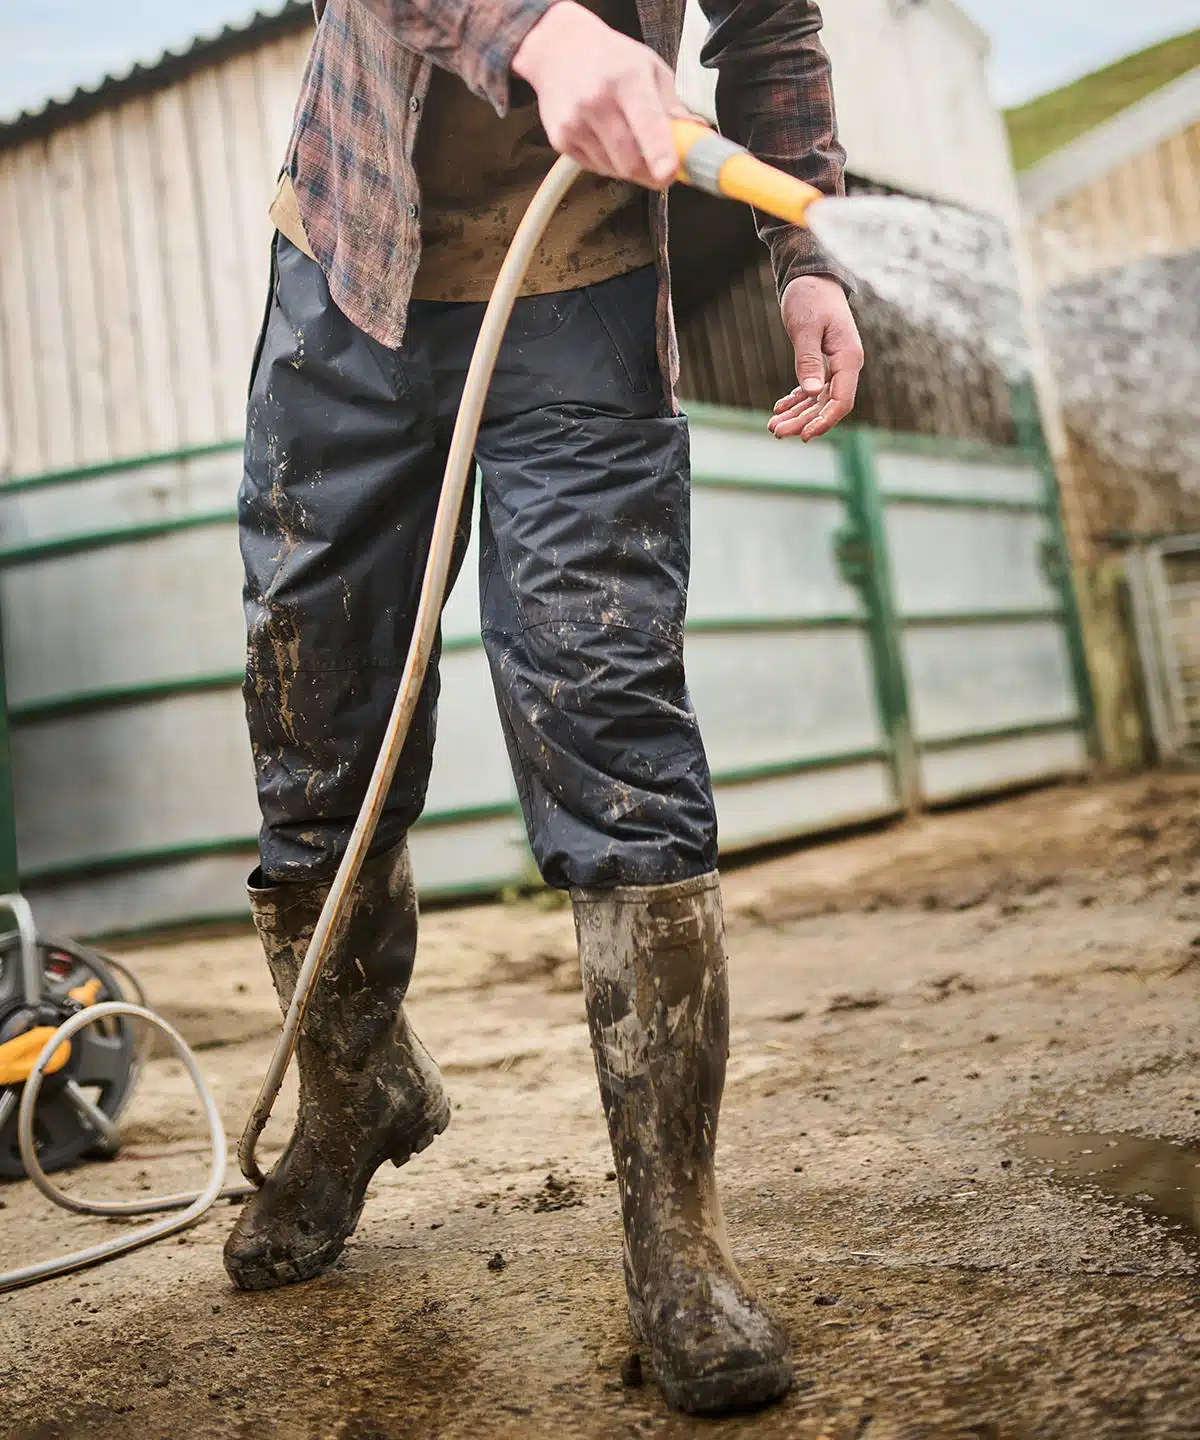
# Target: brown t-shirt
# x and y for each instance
(478, 172)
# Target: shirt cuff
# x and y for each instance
(493, 35)
(795, 251)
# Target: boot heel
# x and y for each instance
(435, 1121)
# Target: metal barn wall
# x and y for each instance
(133, 265)
(1124, 191)
(985, 674)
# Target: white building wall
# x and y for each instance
(913, 104)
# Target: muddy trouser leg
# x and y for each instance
(584, 555)
(344, 455)
(583, 584)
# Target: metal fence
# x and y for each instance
(1164, 585)
(876, 622)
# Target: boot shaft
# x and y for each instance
(369, 962)
(656, 988)
(656, 985)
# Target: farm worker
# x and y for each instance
(422, 130)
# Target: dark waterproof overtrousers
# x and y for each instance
(584, 556)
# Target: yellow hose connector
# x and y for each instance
(709, 162)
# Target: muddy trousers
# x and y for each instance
(583, 573)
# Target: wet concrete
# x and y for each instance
(911, 1011)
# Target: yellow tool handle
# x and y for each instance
(17, 1055)
(710, 162)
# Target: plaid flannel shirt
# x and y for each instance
(350, 158)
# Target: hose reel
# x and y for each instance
(89, 1078)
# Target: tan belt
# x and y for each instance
(285, 216)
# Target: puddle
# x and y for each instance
(1159, 1178)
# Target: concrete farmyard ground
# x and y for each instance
(955, 1153)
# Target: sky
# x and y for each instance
(51, 46)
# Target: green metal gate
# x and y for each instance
(958, 549)
(877, 622)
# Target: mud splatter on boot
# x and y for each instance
(655, 981)
(369, 1091)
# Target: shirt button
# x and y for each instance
(412, 211)
(414, 104)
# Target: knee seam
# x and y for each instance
(674, 642)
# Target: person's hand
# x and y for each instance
(604, 99)
(829, 356)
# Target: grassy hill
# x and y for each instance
(1050, 121)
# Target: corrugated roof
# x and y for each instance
(165, 69)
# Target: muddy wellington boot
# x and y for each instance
(655, 982)
(369, 1091)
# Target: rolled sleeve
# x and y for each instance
(775, 96)
(492, 35)
(475, 39)
(796, 251)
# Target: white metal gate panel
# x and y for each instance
(974, 570)
(1164, 583)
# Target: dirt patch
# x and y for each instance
(931, 1025)
(1140, 836)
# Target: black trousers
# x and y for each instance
(584, 553)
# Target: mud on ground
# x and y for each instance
(954, 1152)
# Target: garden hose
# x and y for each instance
(708, 162)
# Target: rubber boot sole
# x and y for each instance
(728, 1390)
(721, 1393)
(260, 1275)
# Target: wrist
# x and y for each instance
(811, 280)
(543, 45)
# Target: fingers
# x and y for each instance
(844, 368)
(811, 415)
(802, 395)
(619, 152)
(647, 153)
(796, 414)
(628, 137)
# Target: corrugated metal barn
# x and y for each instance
(877, 622)
(1111, 197)
(1115, 215)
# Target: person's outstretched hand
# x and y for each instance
(604, 99)
(829, 356)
